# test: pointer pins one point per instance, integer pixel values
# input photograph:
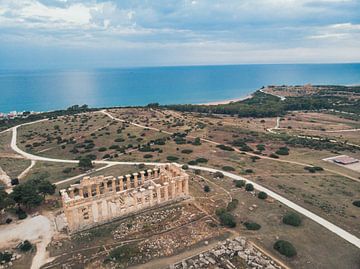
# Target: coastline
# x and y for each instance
(227, 101)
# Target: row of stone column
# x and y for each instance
(120, 183)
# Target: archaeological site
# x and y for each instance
(98, 200)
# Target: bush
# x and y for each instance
(356, 203)
(262, 195)
(201, 160)
(248, 171)
(285, 248)
(147, 156)
(227, 219)
(120, 139)
(206, 188)
(249, 187)
(172, 158)
(67, 170)
(240, 183)
(5, 257)
(123, 253)
(228, 168)
(260, 147)
(224, 147)
(185, 167)
(218, 175)
(21, 213)
(273, 155)
(102, 149)
(292, 219)
(25, 246)
(313, 169)
(187, 151)
(253, 226)
(197, 142)
(85, 163)
(282, 151)
(192, 163)
(232, 205)
(254, 158)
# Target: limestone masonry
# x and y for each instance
(97, 200)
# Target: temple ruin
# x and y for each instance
(97, 200)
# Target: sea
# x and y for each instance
(45, 90)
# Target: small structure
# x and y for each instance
(97, 200)
(345, 160)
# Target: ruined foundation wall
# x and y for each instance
(97, 200)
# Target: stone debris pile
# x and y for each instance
(7, 258)
(229, 254)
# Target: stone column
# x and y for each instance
(121, 183)
(180, 183)
(113, 184)
(136, 183)
(106, 189)
(158, 193)
(99, 209)
(166, 191)
(186, 186)
(149, 174)
(135, 198)
(97, 189)
(142, 191)
(89, 191)
(156, 172)
(142, 173)
(173, 189)
(81, 192)
(128, 182)
(151, 197)
(71, 193)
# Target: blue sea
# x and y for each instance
(44, 90)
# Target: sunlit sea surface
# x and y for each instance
(44, 90)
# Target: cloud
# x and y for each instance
(185, 27)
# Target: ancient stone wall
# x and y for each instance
(97, 200)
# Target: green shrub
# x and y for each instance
(282, 151)
(285, 248)
(224, 147)
(232, 205)
(249, 187)
(67, 170)
(356, 203)
(185, 167)
(20, 213)
(228, 168)
(102, 149)
(248, 171)
(240, 183)
(25, 246)
(148, 156)
(292, 219)
(262, 195)
(313, 169)
(206, 188)
(124, 253)
(187, 151)
(201, 160)
(197, 142)
(252, 226)
(218, 174)
(254, 158)
(172, 158)
(227, 219)
(192, 163)
(5, 257)
(120, 139)
(273, 155)
(260, 147)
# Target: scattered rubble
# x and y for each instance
(229, 254)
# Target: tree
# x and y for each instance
(45, 187)
(253, 226)
(292, 219)
(285, 248)
(85, 163)
(206, 188)
(249, 187)
(27, 195)
(218, 174)
(239, 183)
(228, 220)
(5, 199)
(262, 195)
(356, 203)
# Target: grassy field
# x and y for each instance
(14, 167)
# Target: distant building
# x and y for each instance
(345, 160)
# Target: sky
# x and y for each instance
(121, 33)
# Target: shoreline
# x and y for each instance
(226, 101)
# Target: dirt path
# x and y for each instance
(38, 230)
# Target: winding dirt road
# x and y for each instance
(326, 224)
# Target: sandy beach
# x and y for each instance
(222, 102)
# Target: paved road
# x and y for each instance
(328, 225)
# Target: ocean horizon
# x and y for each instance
(44, 90)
